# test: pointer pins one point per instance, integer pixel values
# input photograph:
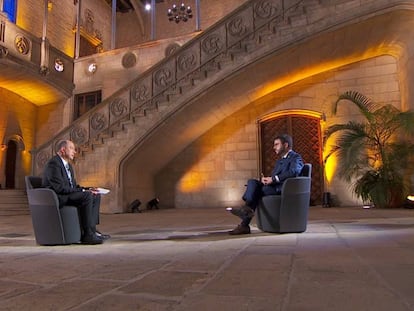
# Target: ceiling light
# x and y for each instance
(177, 14)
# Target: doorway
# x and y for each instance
(11, 156)
(305, 129)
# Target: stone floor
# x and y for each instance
(183, 259)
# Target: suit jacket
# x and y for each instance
(56, 178)
(287, 167)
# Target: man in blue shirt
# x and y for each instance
(288, 165)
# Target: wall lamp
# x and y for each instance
(92, 68)
(59, 66)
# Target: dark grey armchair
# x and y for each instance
(288, 212)
(52, 225)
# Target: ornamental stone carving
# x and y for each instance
(3, 52)
(237, 27)
(266, 9)
(171, 49)
(140, 93)
(78, 135)
(163, 77)
(118, 107)
(42, 158)
(22, 44)
(212, 44)
(129, 60)
(186, 61)
(98, 121)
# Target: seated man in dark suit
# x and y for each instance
(59, 176)
(288, 165)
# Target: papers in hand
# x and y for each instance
(102, 190)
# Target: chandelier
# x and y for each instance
(178, 14)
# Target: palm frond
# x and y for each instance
(406, 121)
(351, 126)
(376, 155)
(352, 154)
(365, 105)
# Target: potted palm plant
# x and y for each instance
(374, 155)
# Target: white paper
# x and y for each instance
(102, 190)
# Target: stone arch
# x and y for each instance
(266, 76)
(305, 128)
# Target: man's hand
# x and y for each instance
(266, 180)
(92, 189)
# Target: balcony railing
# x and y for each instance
(21, 47)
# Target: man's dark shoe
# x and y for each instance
(91, 239)
(102, 236)
(242, 212)
(240, 229)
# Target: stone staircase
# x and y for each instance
(13, 202)
(254, 30)
(222, 49)
(154, 101)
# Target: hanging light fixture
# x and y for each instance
(181, 13)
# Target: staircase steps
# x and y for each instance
(153, 92)
(13, 202)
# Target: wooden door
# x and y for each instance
(307, 141)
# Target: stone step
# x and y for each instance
(13, 202)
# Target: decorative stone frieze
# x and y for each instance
(22, 44)
(79, 135)
(41, 159)
(129, 60)
(98, 123)
(3, 52)
(141, 92)
(171, 48)
(118, 108)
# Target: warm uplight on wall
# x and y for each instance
(191, 182)
(330, 164)
(330, 167)
(3, 147)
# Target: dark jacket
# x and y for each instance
(287, 167)
(56, 178)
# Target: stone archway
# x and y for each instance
(305, 129)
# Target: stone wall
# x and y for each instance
(61, 20)
(132, 28)
(210, 12)
(213, 170)
(17, 123)
(117, 68)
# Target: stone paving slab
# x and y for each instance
(183, 259)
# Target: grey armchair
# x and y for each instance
(288, 212)
(52, 225)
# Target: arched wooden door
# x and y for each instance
(305, 129)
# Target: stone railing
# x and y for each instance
(170, 80)
(21, 47)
